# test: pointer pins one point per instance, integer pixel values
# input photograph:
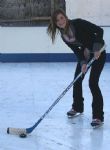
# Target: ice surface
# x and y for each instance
(28, 89)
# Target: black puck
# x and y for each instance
(7, 130)
(23, 135)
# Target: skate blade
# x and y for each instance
(74, 116)
(97, 126)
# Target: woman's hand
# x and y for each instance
(97, 54)
(84, 68)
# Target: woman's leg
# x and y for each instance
(97, 103)
(77, 91)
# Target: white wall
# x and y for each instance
(97, 11)
(29, 40)
(35, 40)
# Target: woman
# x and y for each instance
(85, 40)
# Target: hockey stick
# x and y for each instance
(22, 132)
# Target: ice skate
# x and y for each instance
(72, 113)
(96, 123)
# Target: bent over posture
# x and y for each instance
(85, 39)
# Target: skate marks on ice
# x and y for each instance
(66, 136)
(60, 133)
(56, 131)
(55, 139)
(79, 121)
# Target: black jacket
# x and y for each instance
(88, 34)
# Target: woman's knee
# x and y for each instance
(93, 84)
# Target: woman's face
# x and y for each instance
(61, 21)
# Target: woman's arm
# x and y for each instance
(96, 33)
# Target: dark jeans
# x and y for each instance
(97, 103)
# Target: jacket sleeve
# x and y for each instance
(96, 33)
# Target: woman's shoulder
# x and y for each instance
(75, 20)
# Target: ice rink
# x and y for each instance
(28, 89)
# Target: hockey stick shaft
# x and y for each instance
(19, 131)
(29, 130)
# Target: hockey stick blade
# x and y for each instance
(16, 131)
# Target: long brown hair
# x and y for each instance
(52, 27)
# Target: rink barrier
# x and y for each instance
(41, 57)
